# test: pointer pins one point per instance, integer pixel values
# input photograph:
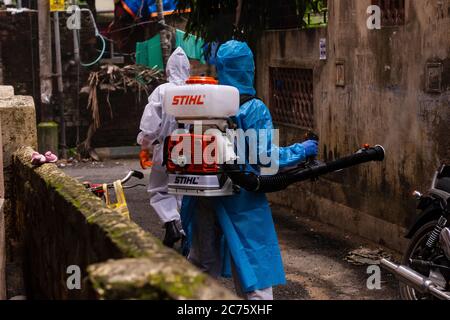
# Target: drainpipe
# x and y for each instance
(166, 46)
(60, 84)
(76, 45)
(76, 57)
(47, 128)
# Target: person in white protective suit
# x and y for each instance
(155, 126)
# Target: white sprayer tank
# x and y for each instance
(201, 101)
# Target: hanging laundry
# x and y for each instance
(149, 53)
(192, 45)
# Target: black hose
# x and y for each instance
(268, 184)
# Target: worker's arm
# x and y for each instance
(255, 115)
(151, 121)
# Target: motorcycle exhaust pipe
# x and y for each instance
(414, 279)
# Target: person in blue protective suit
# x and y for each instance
(235, 235)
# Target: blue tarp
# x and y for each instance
(146, 8)
(168, 5)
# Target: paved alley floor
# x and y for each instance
(313, 253)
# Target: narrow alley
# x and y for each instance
(313, 253)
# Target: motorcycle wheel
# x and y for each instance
(418, 242)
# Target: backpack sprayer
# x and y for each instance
(204, 163)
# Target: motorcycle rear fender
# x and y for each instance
(430, 212)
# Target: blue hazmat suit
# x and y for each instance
(249, 236)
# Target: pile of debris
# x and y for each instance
(111, 78)
(365, 256)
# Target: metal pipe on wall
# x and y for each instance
(76, 57)
(60, 84)
(45, 59)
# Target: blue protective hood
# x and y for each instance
(236, 66)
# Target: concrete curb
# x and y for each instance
(118, 152)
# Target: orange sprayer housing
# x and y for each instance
(201, 80)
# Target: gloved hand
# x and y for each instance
(144, 157)
(311, 148)
(174, 233)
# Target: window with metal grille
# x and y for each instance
(292, 97)
(392, 12)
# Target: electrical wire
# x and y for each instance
(100, 56)
(97, 35)
(134, 25)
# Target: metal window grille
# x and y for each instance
(392, 12)
(292, 97)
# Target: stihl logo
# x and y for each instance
(187, 180)
(198, 100)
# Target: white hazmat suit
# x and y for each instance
(155, 126)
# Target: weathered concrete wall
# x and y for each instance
(18, 127)
(57, 224)
(383, 102)
(18, 118)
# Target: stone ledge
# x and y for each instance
(6, 92)
(165, 277)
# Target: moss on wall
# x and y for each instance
(58, 223)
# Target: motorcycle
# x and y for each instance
(425, 270)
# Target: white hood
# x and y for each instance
(178, 67)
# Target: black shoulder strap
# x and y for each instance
(244, 98)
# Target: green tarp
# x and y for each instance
(192, 45)
(149, 53)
